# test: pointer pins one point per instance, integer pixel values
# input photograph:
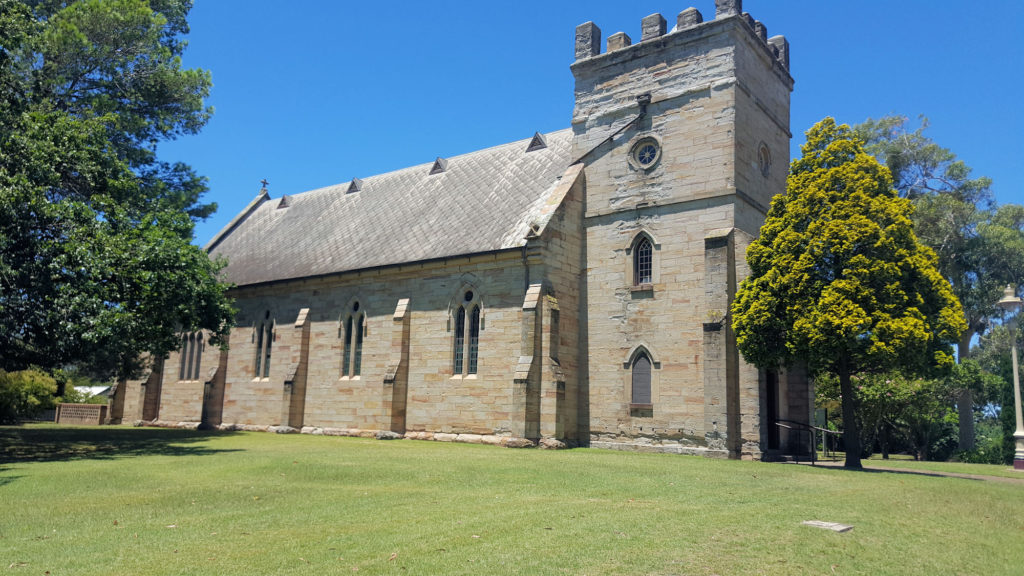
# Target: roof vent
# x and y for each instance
(284, 203)
(440, 165)
(537, 142)
(354, 186)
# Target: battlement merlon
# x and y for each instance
(688, 18)
(588, 35)
(780, 49)
(588, 40)
(725, 8)
(651, 27)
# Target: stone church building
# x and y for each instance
(568, 289)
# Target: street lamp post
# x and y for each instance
(1011, 303)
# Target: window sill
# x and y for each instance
(642, 288)
(641, 410)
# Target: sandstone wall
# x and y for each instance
(437, 399)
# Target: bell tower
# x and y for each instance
(684, 136)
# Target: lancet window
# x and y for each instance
(264, 340)
(351, 331)
(191, 356)
(466, 349)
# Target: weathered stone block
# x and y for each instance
(551, 444)
(688, 18)
(518, 443)
(588, 40)
(725, 8)
(468, 438)
(781, 48)
(761, 30)
(618, 41)
(652, 26)
(493, 440)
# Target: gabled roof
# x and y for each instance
(481, 202)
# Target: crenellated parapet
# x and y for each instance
(588, 35)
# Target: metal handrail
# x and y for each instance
(812, 430)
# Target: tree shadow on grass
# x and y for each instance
(53, 444)
(931, 473)
(911, 472)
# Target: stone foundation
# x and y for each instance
(488, 439)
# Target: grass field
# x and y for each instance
(152, 501)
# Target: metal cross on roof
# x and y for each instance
(264, 182)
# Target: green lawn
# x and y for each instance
(151, 501)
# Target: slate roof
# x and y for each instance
(482, 201)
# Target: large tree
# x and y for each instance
(838, 278)
(96, 260)
(980, 245)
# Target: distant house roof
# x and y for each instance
(91, 391)
(477, 202)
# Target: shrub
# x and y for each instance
(25, 393)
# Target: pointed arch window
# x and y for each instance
(460, 340)
(641, 379)
(264, 340)
(197, 349)
(466, 347)
(191, 356)
(351, 331)
(184, 368)
(643, 262)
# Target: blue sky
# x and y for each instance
(314, 92)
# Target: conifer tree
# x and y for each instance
(838, 278)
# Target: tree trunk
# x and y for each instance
(851, 436)
(965, 401)
(885, 442)
(965, 411)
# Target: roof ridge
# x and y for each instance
(428, 165)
